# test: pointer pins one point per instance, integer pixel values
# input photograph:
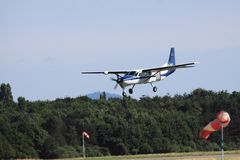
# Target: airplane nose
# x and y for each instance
(119, 80)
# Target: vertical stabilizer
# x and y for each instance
(171, 60)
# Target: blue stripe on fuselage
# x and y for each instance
(128, 77)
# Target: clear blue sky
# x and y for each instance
(45, 44)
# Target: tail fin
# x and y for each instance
(171, 60)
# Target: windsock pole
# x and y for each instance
(84, 134)
(222, 143)
(221, 121)
(83, 146)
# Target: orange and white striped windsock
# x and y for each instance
(85, 134)
(221, 118)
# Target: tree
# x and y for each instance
(6, 149)
(52, 129)
(103, 96)
(145, 148)
(56, 128)
(22, 103)
(49, 149)
(6, 93)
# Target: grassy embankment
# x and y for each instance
(182, 156)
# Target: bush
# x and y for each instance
(95, 151)
(66, 152)
(145, 148)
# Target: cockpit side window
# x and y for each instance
(133, 73)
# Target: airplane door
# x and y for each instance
(158, 76)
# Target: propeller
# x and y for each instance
(118, 80)
(116, 85)
(113, 79)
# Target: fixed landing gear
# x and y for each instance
(154, 89)
(124, 94)
(131, 89)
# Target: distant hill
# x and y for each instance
(96, 95)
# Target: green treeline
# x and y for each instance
(52, 129)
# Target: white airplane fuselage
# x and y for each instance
(137, 78)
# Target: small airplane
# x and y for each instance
(127, 78)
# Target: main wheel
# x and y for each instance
(154, 89)
(130, 90)
(124, 94)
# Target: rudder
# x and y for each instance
(171, 60)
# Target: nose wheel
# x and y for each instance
(124, 94)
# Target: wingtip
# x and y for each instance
(196, 62)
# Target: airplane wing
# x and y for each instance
(106, 72)
(185, 65)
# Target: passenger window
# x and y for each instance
(146, 73)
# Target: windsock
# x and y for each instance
(85, 134)
(222, 118)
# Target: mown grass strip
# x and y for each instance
(125, 157)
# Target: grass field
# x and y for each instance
(229, 155)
